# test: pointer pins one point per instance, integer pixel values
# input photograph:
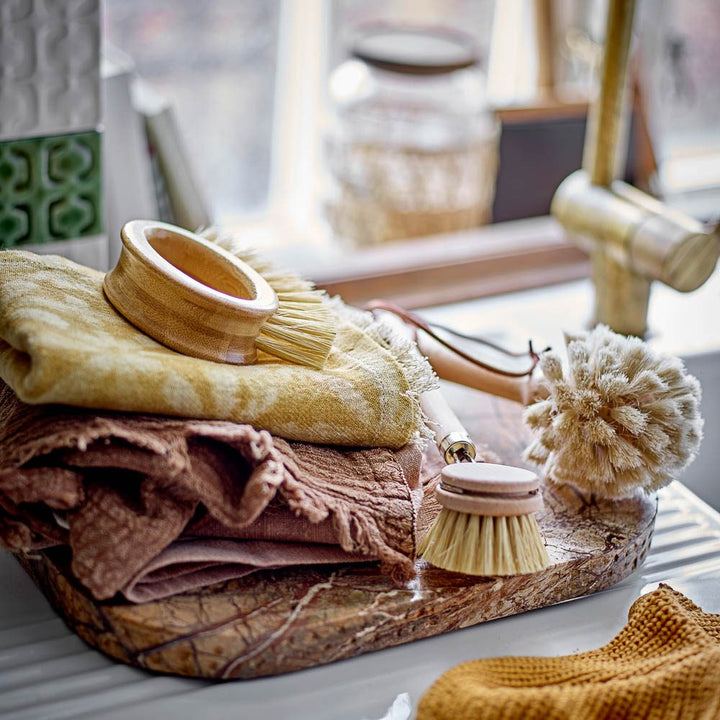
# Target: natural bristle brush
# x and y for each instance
(206, 296)
(616, 418)
(486, 525)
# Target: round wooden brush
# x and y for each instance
(303, 329)
(203, 296)
(486, 525)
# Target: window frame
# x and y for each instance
(485, 261)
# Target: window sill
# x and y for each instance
(436, 270)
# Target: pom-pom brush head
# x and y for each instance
(620, 418)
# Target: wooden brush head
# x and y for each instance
(189, 294)
(488, 489)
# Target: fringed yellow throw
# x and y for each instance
(62, 342)
(665, 663)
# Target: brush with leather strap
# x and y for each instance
(616, 417)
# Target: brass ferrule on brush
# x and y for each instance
(457, 447)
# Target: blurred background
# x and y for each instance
(325, 129)
(248, 81)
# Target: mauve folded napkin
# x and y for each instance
(151, 506)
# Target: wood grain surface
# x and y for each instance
(280, 621)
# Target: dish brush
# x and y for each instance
(303, 329)
(615, 419)
(204, 296)
(487, 524)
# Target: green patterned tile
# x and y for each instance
(50, 189)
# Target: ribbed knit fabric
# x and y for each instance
(664, 664)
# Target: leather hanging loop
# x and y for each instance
(434, 330)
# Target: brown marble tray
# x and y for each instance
(279, 621)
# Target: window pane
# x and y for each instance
(215, 61)
(684, 101)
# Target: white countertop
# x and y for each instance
(48, 672)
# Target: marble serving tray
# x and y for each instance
(281, 621)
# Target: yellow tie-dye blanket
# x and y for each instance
(62, 342)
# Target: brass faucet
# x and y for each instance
(632, 238)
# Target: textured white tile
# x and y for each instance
(49, 67)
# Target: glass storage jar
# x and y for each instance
(412, 145)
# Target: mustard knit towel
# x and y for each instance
(62, 342)
(664, 664)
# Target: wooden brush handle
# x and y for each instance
(450, 366)
(451, 437)
(476, 488)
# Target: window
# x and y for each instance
(216, 62)
(684, 102)
(248, 80)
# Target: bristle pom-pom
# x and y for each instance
(551, 366)
(619, 418)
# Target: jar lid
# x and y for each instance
(414, 51)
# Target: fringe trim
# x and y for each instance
(384, 331)
(415, 367)
(358, 531)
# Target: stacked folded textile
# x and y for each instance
(62, 342)
(152, 505)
